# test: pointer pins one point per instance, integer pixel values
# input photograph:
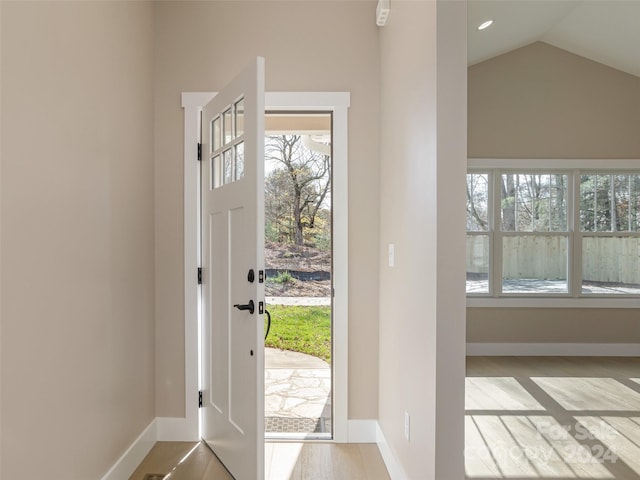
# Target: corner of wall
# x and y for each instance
(396, 472)
(133, 456)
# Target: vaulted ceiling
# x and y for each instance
(606, 31)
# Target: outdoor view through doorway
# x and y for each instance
(299, 283)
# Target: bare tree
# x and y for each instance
(277, 208)
(477, 190)
(309, 179)
(508, 185)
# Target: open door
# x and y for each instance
(232, 189)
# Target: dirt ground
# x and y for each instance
(300, 258)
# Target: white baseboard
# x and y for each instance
(362, 431)
(394, 468)
(176, 429)
(134, 455)
(554, 349)
(161, 429)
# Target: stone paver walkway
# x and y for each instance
(297, 386)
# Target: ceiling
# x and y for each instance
(606, 31)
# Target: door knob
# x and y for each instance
(247, 306)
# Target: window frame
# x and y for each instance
(499, 234)
(580, 235)
(574, 297)
(486, 233)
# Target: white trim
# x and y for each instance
(573, 298)
(547, 302)
(396, 472)
(196, 99)
(362, 431)
(338, 103)
(131, 459)
(177, 429)
(554, 349)
(191, 426)
(553, 163)
(307, 100)
(340, 357)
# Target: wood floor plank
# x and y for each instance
(564, 440)
(320, 461)
(551, 407)
(586, 393)
(200, 464)
(283, 461)
(162, 458)
(268, 455)
(374, 466)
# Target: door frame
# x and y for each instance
(337, 103)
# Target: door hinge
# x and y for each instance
(199, 152)
(200, 399)
(199, 275)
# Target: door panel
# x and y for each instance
(232, 190)
(218, 357)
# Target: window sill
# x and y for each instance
(548, 302)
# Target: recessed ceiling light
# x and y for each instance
(486, 24)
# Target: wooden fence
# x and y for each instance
(605, 259)
(611, 259)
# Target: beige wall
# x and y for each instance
(78, 380)
(87, 87)
(308, 46)
(543, 102)
(561, 325)
(423, 163)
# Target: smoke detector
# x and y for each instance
(382, 12)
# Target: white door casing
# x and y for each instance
(189, 428)
(232, 211)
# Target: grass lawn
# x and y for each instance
(301, 329)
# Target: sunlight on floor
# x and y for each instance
(526, 447)
(590, 393)
(182, 460)
(552, 427)
(498, 393)
(621, 436)
(288, 457)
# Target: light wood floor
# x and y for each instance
(556, 418)
(283, 461)
(552, 418)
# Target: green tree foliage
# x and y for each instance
(609, 202)
(278, 196)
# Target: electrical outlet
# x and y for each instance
(407, 426)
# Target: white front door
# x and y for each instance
(232, 189)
